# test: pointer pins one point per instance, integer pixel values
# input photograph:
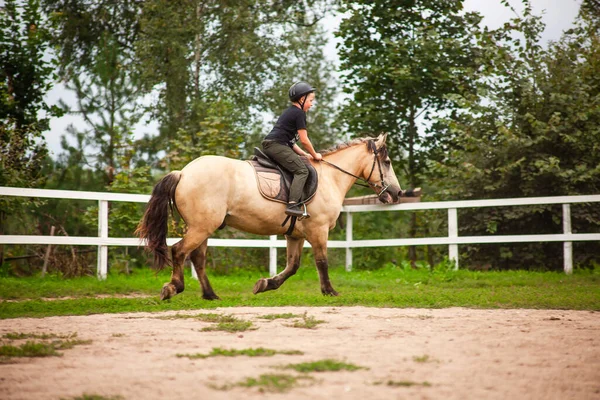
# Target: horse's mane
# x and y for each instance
(383, 153)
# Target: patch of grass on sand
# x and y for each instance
(226, 323)
(307, 322)
(37, 349)
(21, 336)
(272, 317)
(272, 383)
(94, 397)
(258, 352)
(423, 359)
(236, 326)
(323, 366)
(404, 383)
(29, 349)
(206, 317)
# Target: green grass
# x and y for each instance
(226, 323)
(323, 366)
(273, 383)
(404, 383)
(209, 317)
(258, 352)
(272, 317)
(231, 327)
(307, 322)
(95, 397)
(21, 336)
(387, 287)
(39, 349)
(423, 359)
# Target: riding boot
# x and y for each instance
(296, 210)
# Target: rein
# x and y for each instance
(375, 186)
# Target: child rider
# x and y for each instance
(280, 143)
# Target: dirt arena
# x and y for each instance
(452, 353)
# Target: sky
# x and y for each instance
(558, 15)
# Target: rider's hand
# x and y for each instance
(307, 155)
(318, 157)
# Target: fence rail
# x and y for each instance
(103, 241)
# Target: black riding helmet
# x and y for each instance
(300, 89)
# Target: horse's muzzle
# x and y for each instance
(390, 195)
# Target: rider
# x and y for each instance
(280, 143)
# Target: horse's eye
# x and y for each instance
(387, 163)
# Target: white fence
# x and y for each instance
(452, 240)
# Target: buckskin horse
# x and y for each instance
(212, 191)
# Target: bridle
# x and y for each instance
(375, 186)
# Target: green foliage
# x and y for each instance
(533, 131)
(402, 60)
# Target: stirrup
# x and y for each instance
(293, 211)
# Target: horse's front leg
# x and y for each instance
(319, 246)
(294, 251)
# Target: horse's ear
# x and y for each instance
(381, 139)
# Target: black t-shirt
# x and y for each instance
(286, 129)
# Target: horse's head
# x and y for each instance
(380, 173)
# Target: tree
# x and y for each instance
(200, 57)
(533, 133)
(107, 95)
(25, 77)
(403, 62)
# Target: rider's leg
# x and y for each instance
(289, 160)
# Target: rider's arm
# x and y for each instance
(300, 152)
(308, 145)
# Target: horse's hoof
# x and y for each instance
(211, 296)
(167, 291)
(260, 286)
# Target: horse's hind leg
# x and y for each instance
(198, 258)
(179, 252)
(294, 251)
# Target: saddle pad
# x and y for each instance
(276, 187)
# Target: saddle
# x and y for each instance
(274, 182)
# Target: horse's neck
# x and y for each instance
(350, 160)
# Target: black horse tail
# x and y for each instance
(153, 226)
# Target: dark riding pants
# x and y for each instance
(289, 160)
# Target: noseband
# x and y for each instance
(375, 186)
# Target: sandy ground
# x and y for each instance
(452, 353)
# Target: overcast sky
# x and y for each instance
(558, 15)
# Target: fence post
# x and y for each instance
(102, 269)
(273, 256)
(453, 233)
(193, 268)
(567, 246)
(348, 241)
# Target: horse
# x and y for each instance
(212, 191)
